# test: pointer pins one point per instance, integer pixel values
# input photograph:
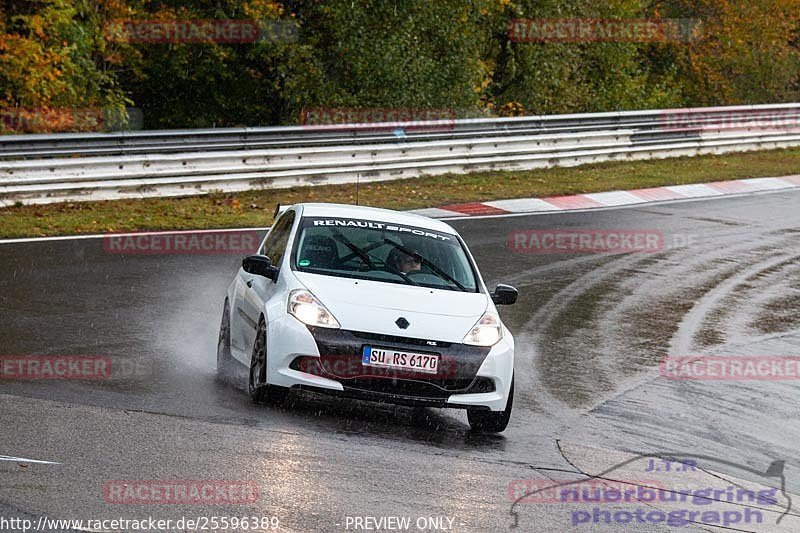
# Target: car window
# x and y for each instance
(275, 244)
(382, 251)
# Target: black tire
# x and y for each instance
(492, 421)
(260, 391)
(224, 342)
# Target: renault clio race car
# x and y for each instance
(370, 304)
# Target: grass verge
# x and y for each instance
(254, 208)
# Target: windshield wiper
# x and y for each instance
(355, 249)
(442, 274)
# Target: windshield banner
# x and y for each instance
(371, 224)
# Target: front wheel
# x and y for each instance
(260, 391)
(224, 342)
(492, 421)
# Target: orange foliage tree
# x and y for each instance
(746, 51)
(56, 70)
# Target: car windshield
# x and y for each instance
(382, 251)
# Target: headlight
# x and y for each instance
(308, 310)
(486, 332)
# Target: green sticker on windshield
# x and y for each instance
(304, 262)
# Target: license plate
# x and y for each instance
(391, 358)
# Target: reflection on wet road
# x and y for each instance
(590, 329)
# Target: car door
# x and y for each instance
(238, 329)
(258, 289)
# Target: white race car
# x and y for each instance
(370, 304)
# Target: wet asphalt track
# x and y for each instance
(590, 331)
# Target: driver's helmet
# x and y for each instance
(403, 262)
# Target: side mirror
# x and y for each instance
(504, 295)
(260, 265)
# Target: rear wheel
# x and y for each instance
(259, 390)
(492, 421)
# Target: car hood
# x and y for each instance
(372, 306)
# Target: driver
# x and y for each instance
(404, 263)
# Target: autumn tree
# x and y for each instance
(53, 58)
(747, 52)
(584, 75)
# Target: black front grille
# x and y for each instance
(354, 376)
(342, 349)
(401, 387)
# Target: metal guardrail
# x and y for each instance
(96, 166)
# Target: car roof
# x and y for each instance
(374, 214)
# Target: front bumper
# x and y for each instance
(469, 376)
